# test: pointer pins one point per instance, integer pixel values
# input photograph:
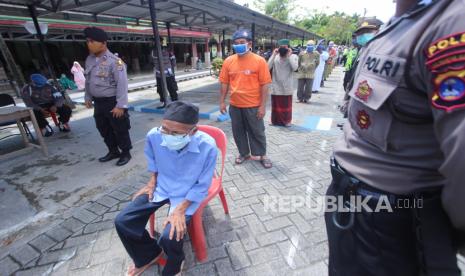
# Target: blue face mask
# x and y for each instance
(240, 49)
(363, 39)
(175, 142)
(310, 48)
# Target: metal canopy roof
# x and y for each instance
(209, 15)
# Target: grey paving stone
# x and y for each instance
(271, 237)
(291, 255)
(35, 271)
(203, 269)
(25, 254)
(129, 190)
(107, 201)
(119, 195)
(317, 269)
(220, 239)
(216, 253)
(96, 208)
(237, 255)
(80, 240)
(72, 224)
(240, 212)
(103, 225)
(82, 258)
(103, 241)
(57, 256)
(116, 267)
(224, 267)
(84, 215)
(42, 243)
(255, 225)
(110, 216)
(264, 254)
(301, 224)
(246, 236)
(277, 223)
(58, 246)
(8, 266)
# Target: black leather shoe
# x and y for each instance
(124, 159)
(110, 156)
(161, 106)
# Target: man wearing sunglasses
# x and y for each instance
(181, 161)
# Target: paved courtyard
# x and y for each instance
(251, 240)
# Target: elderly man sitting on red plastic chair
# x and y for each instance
(182, 162)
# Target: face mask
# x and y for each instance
(363, 39)
(310, 48)
(95, 47)
(240, 49)
(175, 142)
(283, 51)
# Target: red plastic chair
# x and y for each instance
(196, 231)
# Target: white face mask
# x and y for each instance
(175, 142)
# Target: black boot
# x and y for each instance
(124, 159)
(110, 156)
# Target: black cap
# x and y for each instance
(96, 34)
(181, 112)
(369, 23)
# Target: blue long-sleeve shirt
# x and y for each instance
(182, 175)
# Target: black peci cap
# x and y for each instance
(96, 34)
(181, 112)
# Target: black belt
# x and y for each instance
(363, 189)
(103, 99)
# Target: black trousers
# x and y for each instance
(115, 131)
(130, 226)
(172, 88)
(388, 243)
(248, 131)
(64, 113)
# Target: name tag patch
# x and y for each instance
(382, 66)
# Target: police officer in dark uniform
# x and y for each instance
(169, 63)
(404, 148)
(107, 87)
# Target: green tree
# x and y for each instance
(337, 27)
(278, 9)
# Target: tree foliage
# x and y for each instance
(337, 27)
(278, 9)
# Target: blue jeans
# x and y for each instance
(130, 225)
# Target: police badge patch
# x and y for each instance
(363, 91)
(449, 91)
(445, 59)
(363, 119)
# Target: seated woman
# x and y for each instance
(44, 98)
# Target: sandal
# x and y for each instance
(241, 159)
(141, 270)
(266, 163)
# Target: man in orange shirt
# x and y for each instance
(246, 76)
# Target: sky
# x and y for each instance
(382, 9)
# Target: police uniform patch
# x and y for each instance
(444, 44)
(363, 119)
(449, 91)
(445, 58)
(364, 91)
